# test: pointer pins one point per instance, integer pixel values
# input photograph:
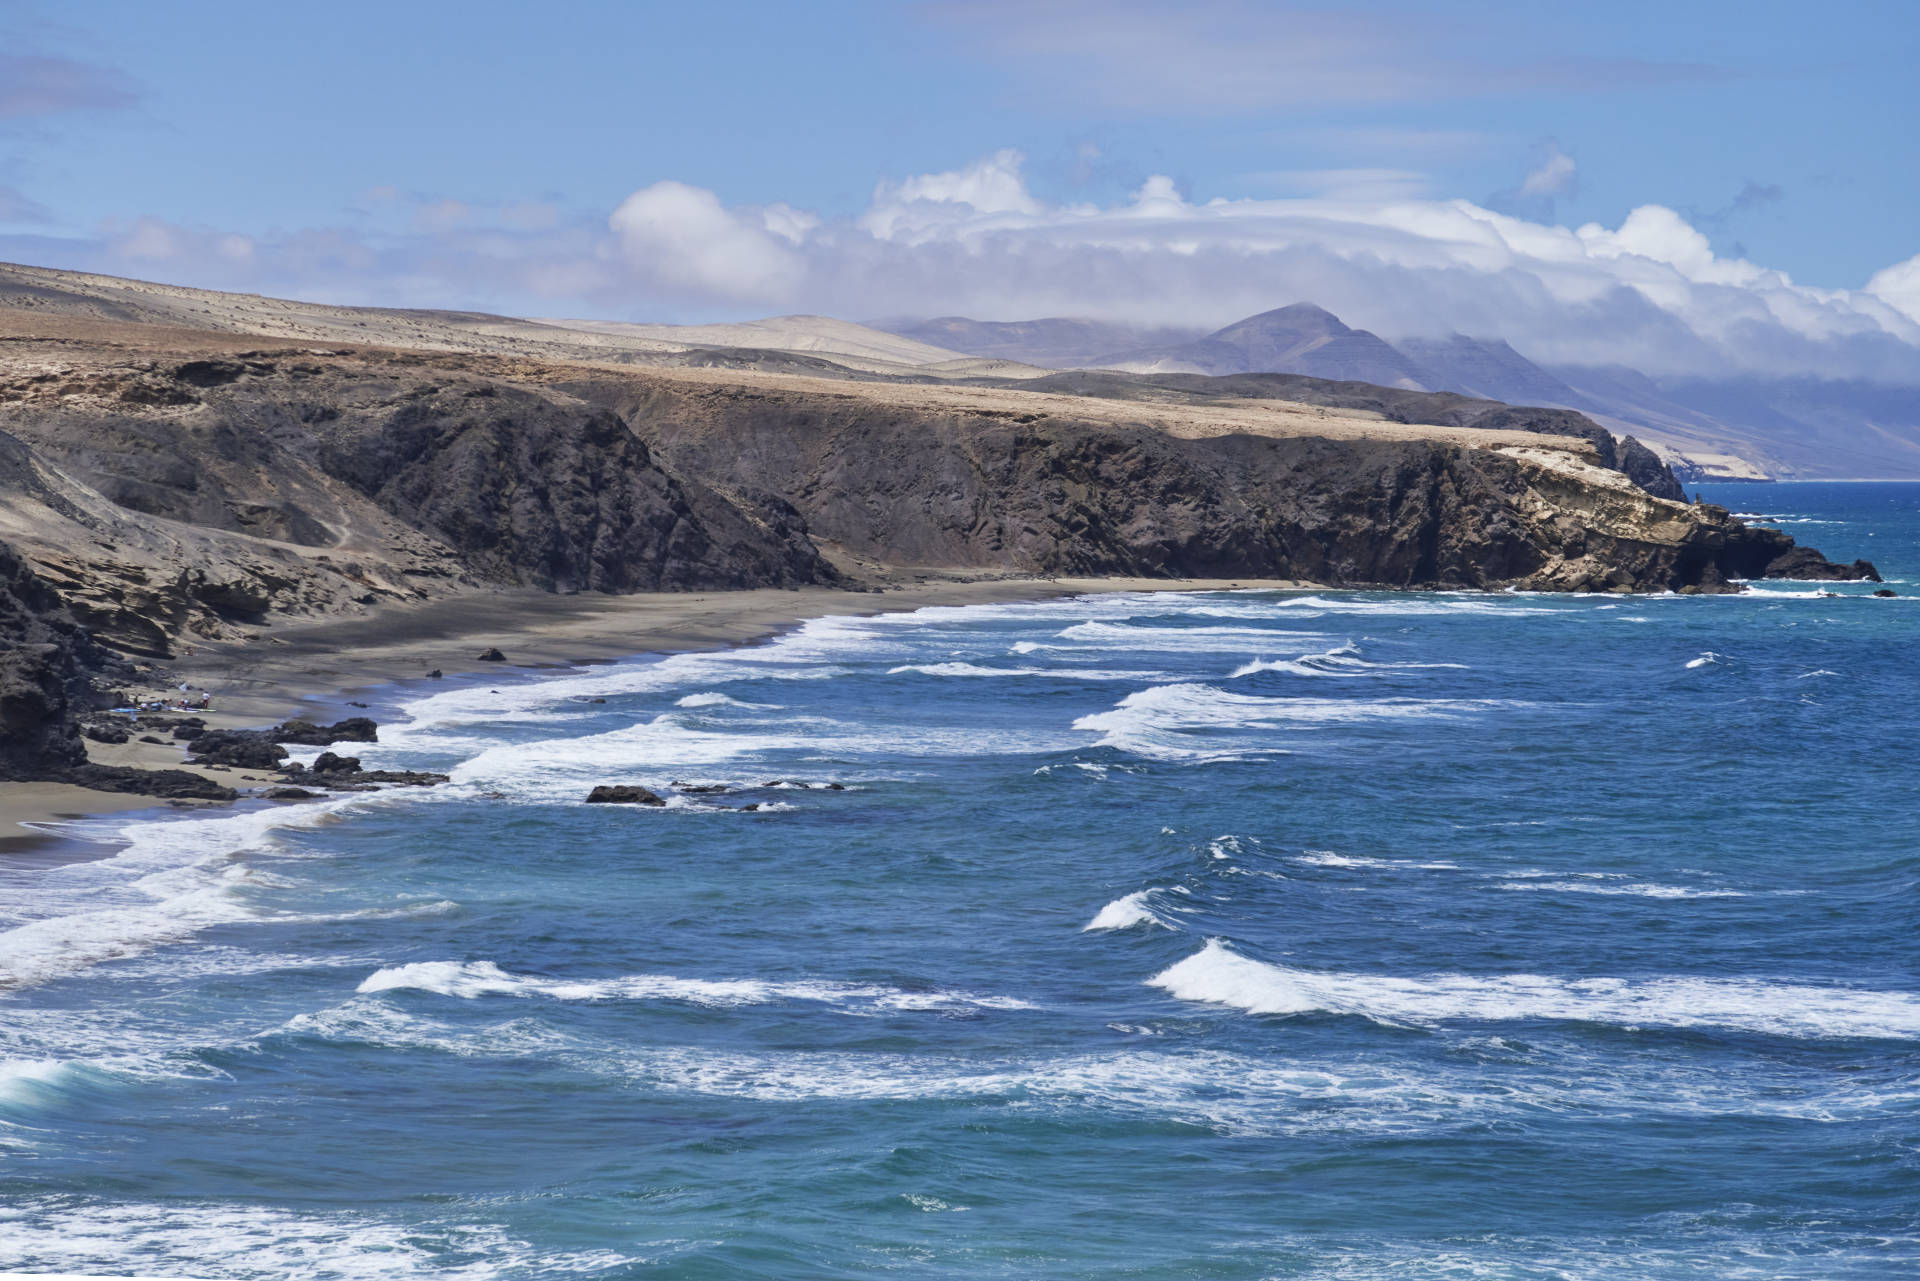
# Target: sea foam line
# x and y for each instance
(473, 979)
(1218, 975)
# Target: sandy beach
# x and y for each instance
(314, 669)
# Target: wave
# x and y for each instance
(1137, 908)
(1060, 673)
(68, 1237)
(1165, 721)
(1186, 640)
(1425, 604)
(1636, 889)
(711, 698)
(1327, 858)
(1343, 660)
(1707, 659)
(1232, 1092)
(473, 979)
(1220, 976)
(170, 881)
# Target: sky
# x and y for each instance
(1683, 187)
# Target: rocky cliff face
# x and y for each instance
(194, 497)
(1394, 404)
(1056, 497)
(46, 661)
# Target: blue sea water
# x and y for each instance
(1226, 935)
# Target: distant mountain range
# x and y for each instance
(1730, 428)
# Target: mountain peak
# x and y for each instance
(1303, 319)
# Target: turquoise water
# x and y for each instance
(1331, 934)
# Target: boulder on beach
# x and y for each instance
(246, 748)
(492, 656)
(354, 729)
(623, 794)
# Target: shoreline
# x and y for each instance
(320, 670)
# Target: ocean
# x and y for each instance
(1227, 935)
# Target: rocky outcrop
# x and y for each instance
(623, 794)
(345, 774)
(354, 729)
(46, 668)
(1790, 561)
(240, 748)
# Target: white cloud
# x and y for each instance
(1648, 293)
(684, 237)
(989, 186)
(1899, 287)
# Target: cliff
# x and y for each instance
(1052, 495)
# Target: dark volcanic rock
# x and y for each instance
(290, 794)
(355, 729)
(492, 656)
(47, 665)
(536, 488)
(1806, 563)
(1450, 409)
(623, 794)
(176, 784)
(344, 773)
(1886, 592)
(245, 748)
(1059, 498)
(106, 734)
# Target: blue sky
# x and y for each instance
(356, 133)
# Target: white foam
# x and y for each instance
(1340, 661)
(1417, 605)
(1706, 659)
(1637, 889)
(1059, 673)
(473, 979)
(1161, 721)
(1124, 913)
(1183, 640)
(1232, 1092)
(1218, 975)
(711, 698)
(178, 1239)
(171, 880)
(1327, 858)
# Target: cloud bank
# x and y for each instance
(1649, 293)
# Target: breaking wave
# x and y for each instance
(1218, 975)
(470, 980)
